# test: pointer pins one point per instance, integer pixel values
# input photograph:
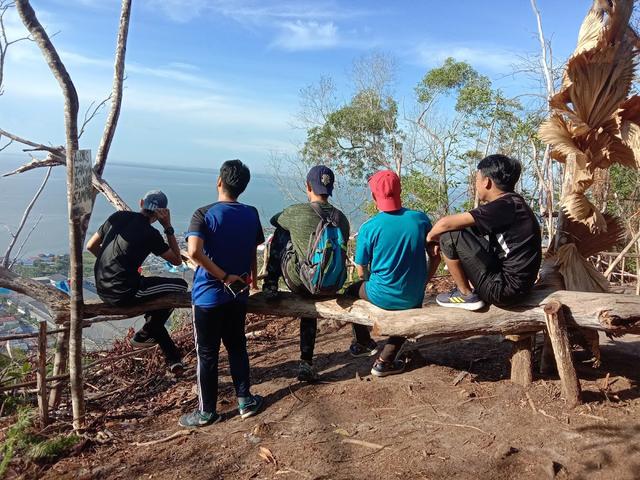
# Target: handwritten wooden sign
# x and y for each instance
(81, 192)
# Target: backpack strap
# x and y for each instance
(320, 212)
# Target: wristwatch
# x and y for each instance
(169, 231)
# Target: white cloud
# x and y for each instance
(311, 35)
(299, 25)
(170, 92)
(255, 11)
(491, 58)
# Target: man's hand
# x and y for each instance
(432, 238)
(433, 248)
(233, 278)
(164, 217)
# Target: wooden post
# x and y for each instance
(557, 329)
(547, 362)
(80, 199)
(43, 408)
(59, 366)
(521, 359)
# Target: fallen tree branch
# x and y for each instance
(613, 313)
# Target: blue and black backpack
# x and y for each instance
(324, 269)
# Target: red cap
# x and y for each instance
(385, 186)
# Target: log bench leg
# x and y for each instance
(557, 331)
(522, 359)
(547, 360)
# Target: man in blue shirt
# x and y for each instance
(222, 241)
(392, 263)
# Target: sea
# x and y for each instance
(186, 188)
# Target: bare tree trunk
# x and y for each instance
(547, 164)
(76, 230)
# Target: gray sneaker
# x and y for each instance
(250, 408)
(199, 419)
(456, 299)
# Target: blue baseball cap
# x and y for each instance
(154, 199)
(321, 179)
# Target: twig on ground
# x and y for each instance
(179, 433)
(595, 417)
(461, 376)
(531, 404)
(362, 443)
(459, 425)
(294, 395)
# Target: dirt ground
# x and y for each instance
(418, 425)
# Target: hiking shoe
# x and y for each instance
(198, 419)
(250, 408)
(142, 340)
(455, 299)
(306, 372)
(382, 369)
(356, 350)
(270, 291)
(177, 368)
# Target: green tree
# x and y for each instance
(358, 137)
(455, 144)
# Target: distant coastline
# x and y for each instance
(213, 170)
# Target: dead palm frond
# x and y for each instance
(594, 124)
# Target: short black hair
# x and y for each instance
(503, 171)
(235, 177)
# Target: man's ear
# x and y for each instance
(309, 189)
(141, 203)
(219, 183)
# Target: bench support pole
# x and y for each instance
(557, 331)
(522, 359)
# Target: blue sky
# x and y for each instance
(209, 80)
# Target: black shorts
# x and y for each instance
(481, 265)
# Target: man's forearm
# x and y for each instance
(173, 244)
(205, 262)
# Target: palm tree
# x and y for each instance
(594, 124)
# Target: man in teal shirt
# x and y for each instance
(392, 263)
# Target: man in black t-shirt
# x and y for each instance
(493, 252)
(121, 245)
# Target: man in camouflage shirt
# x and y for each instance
(294, 227)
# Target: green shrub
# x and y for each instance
(20, 439)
